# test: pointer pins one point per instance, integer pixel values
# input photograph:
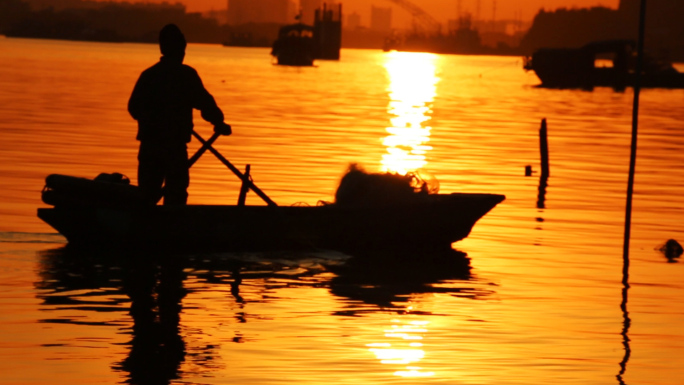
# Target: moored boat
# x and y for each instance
(600, 64)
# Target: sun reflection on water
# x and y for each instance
(405, 350)
(412, 90)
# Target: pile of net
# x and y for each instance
(359, 187)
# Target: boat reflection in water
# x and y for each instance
(87, 290)
(393, 282)
(412, 90)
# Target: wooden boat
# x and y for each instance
(104, 214)
(108, 212)
(600, 64)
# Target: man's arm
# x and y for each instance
(204, 102)
(210, 110)
(136, 101)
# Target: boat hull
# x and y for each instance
(435, 222)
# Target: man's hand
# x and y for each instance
(223, 129)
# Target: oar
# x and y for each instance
(232, 168)
(202, 149)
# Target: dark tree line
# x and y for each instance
(574, 28)
(110, 22)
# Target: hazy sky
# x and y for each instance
(439, 9)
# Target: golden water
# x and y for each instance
(542, 303)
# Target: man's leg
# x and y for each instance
(151, 171)
(177, 176)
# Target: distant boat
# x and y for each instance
(600, 64)
(295, 45)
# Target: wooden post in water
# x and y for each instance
(630, 192)
(544, 149)
(245, 186)
(635, 126)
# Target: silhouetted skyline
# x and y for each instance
(441, 10)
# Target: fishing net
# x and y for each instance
(358, 187)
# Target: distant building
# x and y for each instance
(381, 19)
(328, 32)
(221, 16)
(260, 11)
(60, 5)
(353, 21)
(308, 9)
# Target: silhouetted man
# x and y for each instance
(162, 103)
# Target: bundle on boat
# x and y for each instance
(359, 187)
(356, 188)
(105, 190)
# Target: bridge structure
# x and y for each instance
(422, 20)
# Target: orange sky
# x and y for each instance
(439, 9)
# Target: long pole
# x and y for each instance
(544, 149)
(635, 125)
(203, 149)
(626, 321)
(245, 179)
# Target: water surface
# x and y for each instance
(534, 295)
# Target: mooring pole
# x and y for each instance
(635, 126)
(544, 149)
(245, 186)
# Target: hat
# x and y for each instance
(171, 40)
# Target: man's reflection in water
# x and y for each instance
(74, 280)
(157, 348)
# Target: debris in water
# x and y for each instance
(671, 249)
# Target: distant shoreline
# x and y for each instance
(484, 52)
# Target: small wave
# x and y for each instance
(14, 237)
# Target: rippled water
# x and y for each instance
(539, 298)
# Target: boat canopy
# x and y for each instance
(299, 29)
(607, 46)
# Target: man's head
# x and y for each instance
(172, 42)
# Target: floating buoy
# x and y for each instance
(671, 249)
